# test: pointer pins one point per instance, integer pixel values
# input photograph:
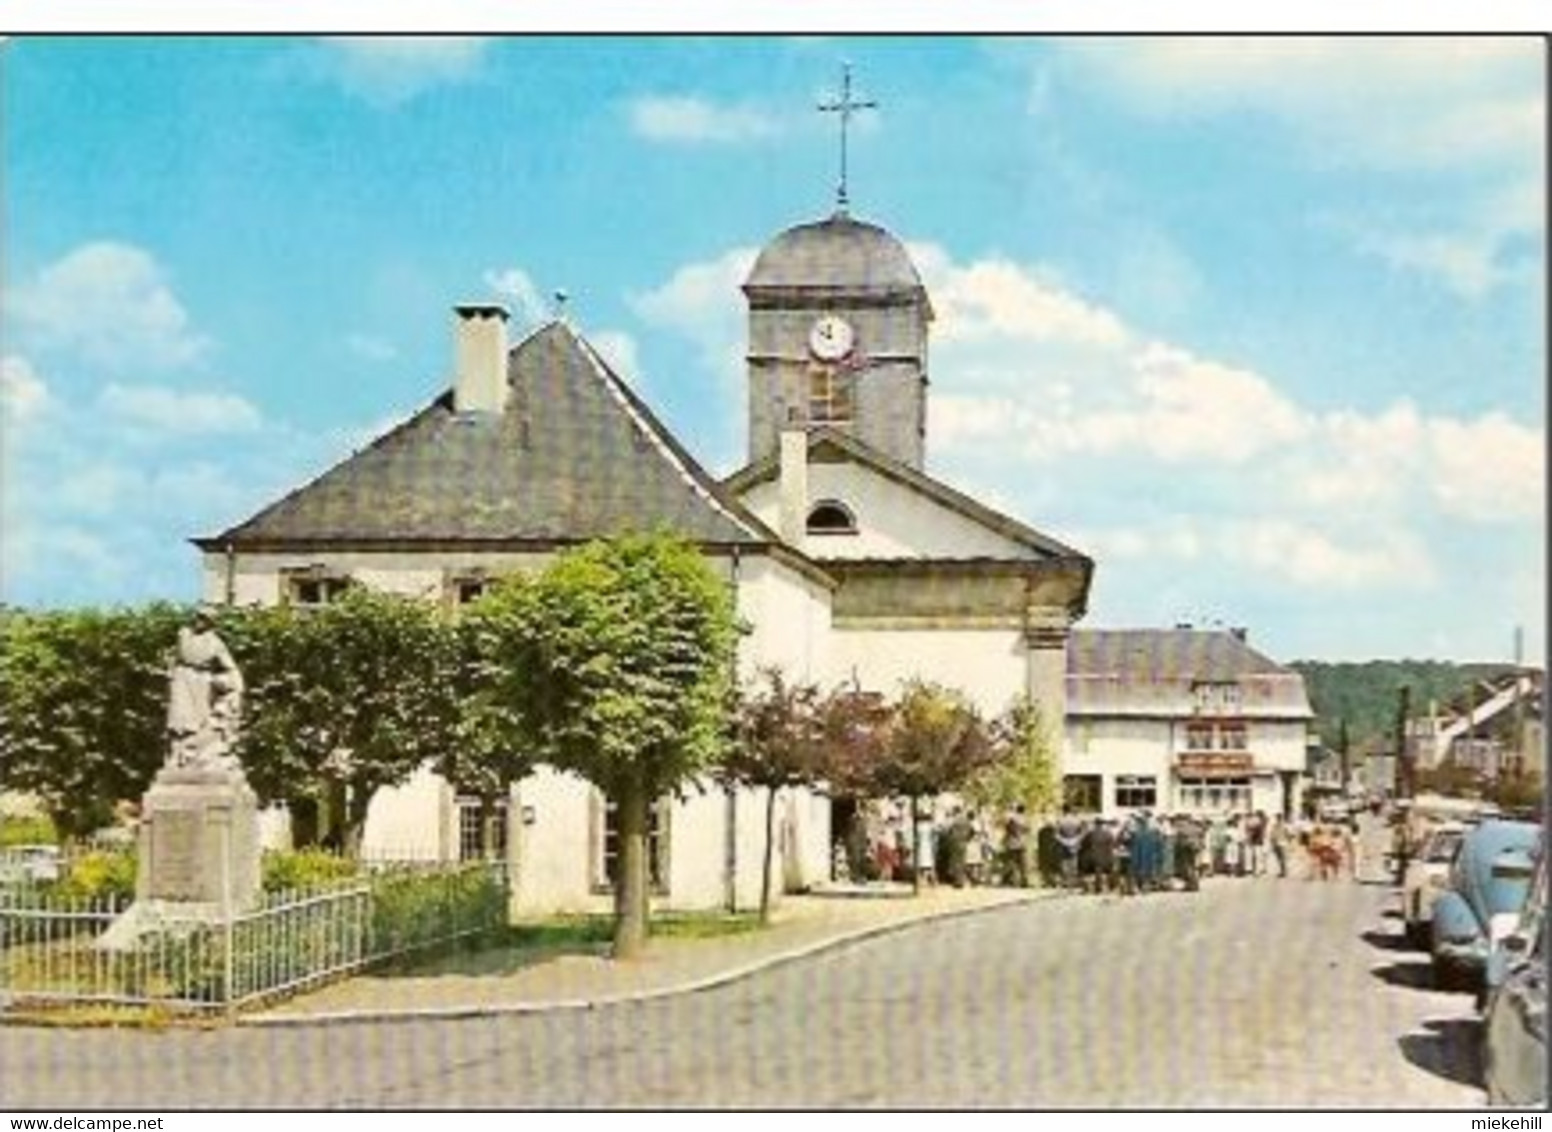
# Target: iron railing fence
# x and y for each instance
(52, 950)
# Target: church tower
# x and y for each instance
(838, 321)
(838, 329)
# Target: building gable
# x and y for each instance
(896, 511)
(573, 455)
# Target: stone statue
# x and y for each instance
(205, 701)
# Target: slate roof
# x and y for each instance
(957, 501)
(839, 252)
(1150, 672)
(1162, 654)
(575, 455)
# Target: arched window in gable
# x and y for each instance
(831, 517)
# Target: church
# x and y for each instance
(848, 559)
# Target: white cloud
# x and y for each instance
(1469, 106)
(371, 348)
(160, 409)
(690, 119)
(98, 488)
(1488, 469)
(702, 302)
(1176, 540)
(515, 285)
(619, 350)
(30, 548)
(1483, 246)
(23, 394)
(109, 303)
(388, 70)
(1383, 102)
(996, 298)
(1198, 409)
(1304, 555)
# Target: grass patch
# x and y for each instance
(110, 1016)
(506, 951)
(582, 930)
(704, 925)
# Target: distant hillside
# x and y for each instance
(1366, 694)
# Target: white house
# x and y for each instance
(1182, 720)
(848, 560)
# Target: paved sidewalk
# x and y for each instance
(801, 925)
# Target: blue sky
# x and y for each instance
(1259, 324)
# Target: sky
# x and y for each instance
(1258, 324)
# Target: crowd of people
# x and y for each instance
(1141, 852)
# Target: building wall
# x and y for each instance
(553, 854)
(988, 665)
(408, 822)
(789, 617)
(893, 521)
(255, 578)
(1110, 747)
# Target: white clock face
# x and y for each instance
(831, 338)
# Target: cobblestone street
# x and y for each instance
(1263, 992)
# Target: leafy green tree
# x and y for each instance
(619, 666)
(1364, 693)
(343, 700)
(779, 742)
(85, 707)
(487, 754)
(1024, 770)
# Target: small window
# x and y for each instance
(606, 854)
(467, 590)
(830, 397)
(1081, 793)
(1218, 697)
(1136, 792)
(831, 518)
(312, 589)
(471, 832)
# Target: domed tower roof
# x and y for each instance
(838, 255)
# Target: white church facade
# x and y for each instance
(849, 562)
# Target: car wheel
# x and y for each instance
(1446, 975)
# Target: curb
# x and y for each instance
(707, 982)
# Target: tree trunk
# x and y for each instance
(765, 868)
(304, 822)
(331, 817)
(356, 803)
(630, 889)
(915, 843)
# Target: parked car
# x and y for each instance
(1514, 1029)
(1489, 882)
(29, 864)
(1427, 875)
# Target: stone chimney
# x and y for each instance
(480, 353)
(793, 453)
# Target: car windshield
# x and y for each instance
(1441, 848)
(1507, 894)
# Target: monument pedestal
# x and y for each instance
(198, 851)
(199, 838)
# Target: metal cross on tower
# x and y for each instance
(845, 107)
